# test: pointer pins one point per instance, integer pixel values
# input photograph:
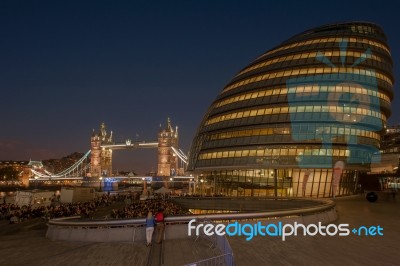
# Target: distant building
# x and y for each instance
(390, 141)
(16, 165)
(390, 152)
(23, 168)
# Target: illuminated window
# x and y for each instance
(310, 71)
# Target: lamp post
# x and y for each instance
(36, 181)
(190, 186)
(275, 172)
(144, 186)
(202, 187)
(191, 190)
(252, 186)
(101, 181)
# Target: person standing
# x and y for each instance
(150, 222)
(160, 225)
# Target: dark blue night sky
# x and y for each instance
(67, 66)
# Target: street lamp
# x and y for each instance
(101, 180)
(191, 190)
(201, 192)
(36, 181)
(259, 183)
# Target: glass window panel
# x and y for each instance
(284, 152)
(309, 109)
(253, 153)
(300, 109)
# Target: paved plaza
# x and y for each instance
(350, 250)
(25, 244)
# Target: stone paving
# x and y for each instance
(25, 244)
(319, 250)
(32, 248)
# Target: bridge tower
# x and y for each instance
(106, 154)
(101, 158)
(95, 167)
(167, 160)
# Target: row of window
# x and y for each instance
(285, 139)
(332, 40)
(392, 150)
(312, 129)
(369, 123)
(347, 54)
(318, 184)
(300, 89)
(283, 162)
(310, 71)
(363, 29)
(395, 129)
(298, 109)
(337, 152)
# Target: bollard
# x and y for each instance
(372, 196)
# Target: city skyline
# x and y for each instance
(67, 67)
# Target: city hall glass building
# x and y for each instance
(283, 123)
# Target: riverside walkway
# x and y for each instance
(25, 244)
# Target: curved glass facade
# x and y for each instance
(284, 121)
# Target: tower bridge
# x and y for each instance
(102, 147)
(97, 162)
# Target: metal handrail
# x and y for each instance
(71, 221)
(209, 261)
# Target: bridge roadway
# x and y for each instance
(131, 145)
(29, 246)
(133, 178)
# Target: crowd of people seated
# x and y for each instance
(139, 209)
(134, 208)
(15, 213)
